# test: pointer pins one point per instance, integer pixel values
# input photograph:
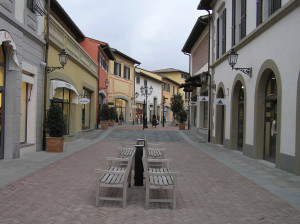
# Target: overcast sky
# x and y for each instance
(152, 32)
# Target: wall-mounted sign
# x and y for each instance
(220, 101)
(203, 98)
(84, 100)
(192, 104)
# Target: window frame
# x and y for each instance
(117, 68)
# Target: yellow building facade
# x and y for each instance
(121, 86)
(73, 88)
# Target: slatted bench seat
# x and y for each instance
(114, 177)
(159, 179)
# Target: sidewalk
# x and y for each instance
(217, 185)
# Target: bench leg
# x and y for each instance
(174, 193)
(97, 192)
(124, 195)
(147, 196)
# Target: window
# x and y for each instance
(138, 80)
(265, 8)
(126, 72)
(104, 65)
(173, 90)
(117, 68)
(145, 82)
(238, 20)
(187, 94)
(221, 34)
(30, 5)
(62, 98)
(168, 88)
(165, 87)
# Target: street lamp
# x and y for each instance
(63, 59)
(136, 95)
(164, 100)
(145, 91)
(232, 60)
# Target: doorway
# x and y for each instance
(2, 90)
(270, 124)
(220, 114)
(240, 137)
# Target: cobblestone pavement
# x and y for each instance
(208, 190)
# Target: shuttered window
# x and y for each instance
(259, 12)
(224, 32)
(117, 68)
(233, 22)
(218, 39)
(243, 18)
(274, 5)
(126, 72)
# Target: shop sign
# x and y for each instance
(220, 101)
(192, 104)
(84, 100)
(203, 98)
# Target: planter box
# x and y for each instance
(111, 123)
(55, 144)
(181, 126)
(104, 125)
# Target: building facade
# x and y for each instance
(21, 77)
(260, 116)
(75, 87)
(101, 54)
(154, 101)
(121, 85)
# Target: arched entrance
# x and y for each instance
(267, 122)
(120, 105)
(238, 115)
(270, 124)
(220, 116)
(2, 89)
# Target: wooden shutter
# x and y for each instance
(233, 22)
(115, 68)
(218, 39)
(259, 12)
(128, 73)
(243, 18)
(224, 32)
(276, 5)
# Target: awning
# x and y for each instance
(54, 84)
(27, 78)
(11, 50)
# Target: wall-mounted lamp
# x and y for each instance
(232, 59)
(63, 59)
(204, 77)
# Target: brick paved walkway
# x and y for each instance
(208, 192)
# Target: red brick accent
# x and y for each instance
(199, 56)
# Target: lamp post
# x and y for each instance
(63, 59)
(164, 100)
(136, 95)
(145, 91)
(232, 60)
(204, 77)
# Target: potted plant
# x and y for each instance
(112, 116)
(56, 127)
(176, 106)
(182, 115)
(104, 116)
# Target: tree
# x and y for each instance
(177, 105)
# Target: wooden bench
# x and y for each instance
(155, 150)
(114, 176)
(160, 179)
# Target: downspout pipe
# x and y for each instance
(134, 109)
(46, 74)
(208, 66)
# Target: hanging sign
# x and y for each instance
(203, 98)
(192, 104)
(84, 100)
(220, 101)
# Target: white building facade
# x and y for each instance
(261, 113)
(154, 101)
(21, 76)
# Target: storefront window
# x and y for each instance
(62, 98)
(121, 110)
(86, 110)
